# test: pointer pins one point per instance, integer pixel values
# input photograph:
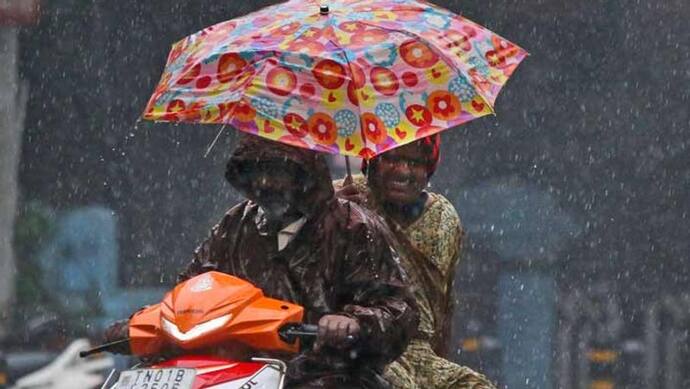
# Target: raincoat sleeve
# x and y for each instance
(377, 296)
(210, 255)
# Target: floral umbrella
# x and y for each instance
(353, 78)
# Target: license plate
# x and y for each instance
(172, 378)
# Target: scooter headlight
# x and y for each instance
(195, 331)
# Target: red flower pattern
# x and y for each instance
(322, 129)
(369, 37)
(417, 54)
(296, 125)
(311, 34)
(190, 75)
(305, 46)
(418, 115)
(384, 81)
(281, 81)
(373, 128)
(444, 105)
(241, 111)
(230, 66)
(287, 29)
(452, 39)
(330, 74)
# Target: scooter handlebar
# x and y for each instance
(103, 348)
(291, 332)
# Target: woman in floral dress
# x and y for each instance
(428, 237)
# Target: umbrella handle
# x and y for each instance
(348, 177)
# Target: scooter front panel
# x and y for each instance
(268, 377)
(219, 373)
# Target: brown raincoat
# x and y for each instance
(339, 262)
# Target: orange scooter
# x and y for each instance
(217, 322)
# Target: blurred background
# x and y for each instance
(574, 197)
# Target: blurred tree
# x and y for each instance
(35, 226)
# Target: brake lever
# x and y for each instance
(353, 353)
(102, 348)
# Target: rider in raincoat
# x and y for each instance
(294, 239)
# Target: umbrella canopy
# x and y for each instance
(352, 78)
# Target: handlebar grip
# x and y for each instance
(313, 328)
(291, 332)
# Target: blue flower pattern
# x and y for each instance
(346, 121)
(388, 114)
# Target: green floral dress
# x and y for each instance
(429, 248)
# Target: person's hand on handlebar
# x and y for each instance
(337, 331)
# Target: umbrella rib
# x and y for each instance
(213, 143)
(298, 36)
(248, 16)
(441, 55)
(359, 107)
(232, 111)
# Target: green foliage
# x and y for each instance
(35, 225)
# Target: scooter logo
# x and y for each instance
(203, 284)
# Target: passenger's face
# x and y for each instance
(400, 175)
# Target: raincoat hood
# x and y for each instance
(252, 149)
